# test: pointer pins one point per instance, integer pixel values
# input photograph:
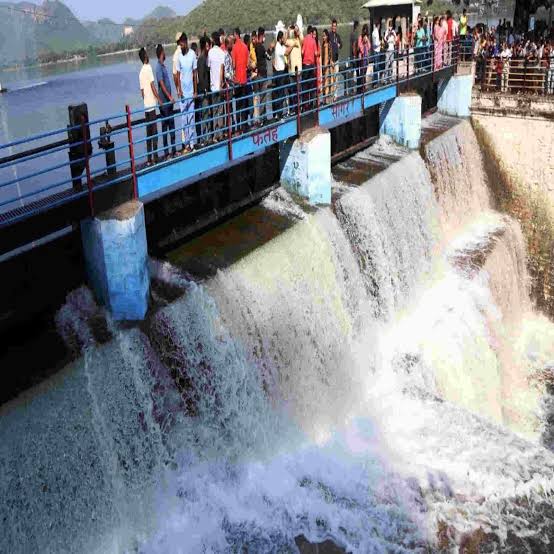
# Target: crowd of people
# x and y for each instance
(240, 81)
(509, 60)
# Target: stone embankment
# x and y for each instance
(519, 153)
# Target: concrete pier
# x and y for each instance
(116, 257)
(306, 166)
(401, 119)
(455, 95)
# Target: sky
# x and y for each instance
(118, 10)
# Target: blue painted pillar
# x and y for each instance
(400, 119)
(116, 257)
(306, 165)
(455, 95)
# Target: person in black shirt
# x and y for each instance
(166, 102)
(203, 89)
(335, 44)
(261, 84)
(354, 58)
(249, 88)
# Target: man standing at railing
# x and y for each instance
(241, 56)
(390, 41)
(151, 100)
(505, 57)
(354, 57)
(280, 77)
(420, 43)
(376, 47)
(203, 115)
(216, 60)
(309, 83)
(188, 74)
(464, 42)
(449, 37)
(166, 101)
(261, 85)
(293, 53)
(335, 44)
(176, 77)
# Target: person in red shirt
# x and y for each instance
(240, 56)
(309, 84)
(449, 36)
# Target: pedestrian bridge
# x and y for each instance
(47, 186)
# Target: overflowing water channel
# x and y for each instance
(368, 375)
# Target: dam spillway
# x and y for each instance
(366, 375)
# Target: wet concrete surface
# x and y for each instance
(227, 243)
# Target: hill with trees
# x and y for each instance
(104, 31)
(161, 12)
(27, 30)
(250, 14)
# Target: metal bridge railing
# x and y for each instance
(34, 173)
(516, 76)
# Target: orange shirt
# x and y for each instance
(240, 57)
(309, 50)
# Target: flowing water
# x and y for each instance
(366, 375)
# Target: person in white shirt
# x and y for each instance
(280, 76)
(390, 40)
(377, 56)
(176, 77)
(151, 99)
(505, 56)
(216, 60)
(188, 66)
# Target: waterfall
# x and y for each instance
(365, 376)
(389, 222)
(456, 165)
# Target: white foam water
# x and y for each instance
(456, 165)
(389, 222)
(359, 377)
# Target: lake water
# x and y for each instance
(38, 97)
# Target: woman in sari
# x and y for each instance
(325, 66)
(438, 37)
(317, 61)
(445, 42)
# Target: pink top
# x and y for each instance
(364, 47)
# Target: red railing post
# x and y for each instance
(229, 122)
(84, 124)
(298, 114)
(131, 151)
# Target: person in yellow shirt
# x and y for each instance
(463, 34)
(253, 62)
(293, 55)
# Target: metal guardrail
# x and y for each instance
(518, 76)
(226, 116)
